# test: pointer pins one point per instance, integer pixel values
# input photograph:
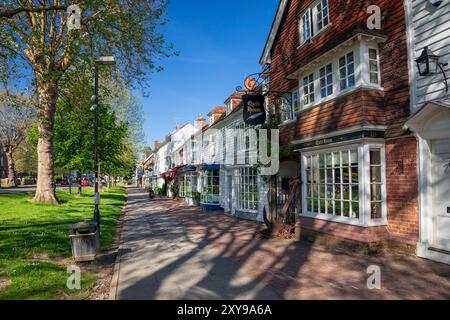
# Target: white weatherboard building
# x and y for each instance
(429, 27)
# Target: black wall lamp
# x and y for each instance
(428, 64)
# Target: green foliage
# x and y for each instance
(175, 190)
(29, 230)
(196, 196)
(74, 133)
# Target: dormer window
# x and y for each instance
(229, 107)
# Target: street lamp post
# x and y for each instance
(102, 61)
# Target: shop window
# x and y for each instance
(210, 187)
(334, 186)
(246, 183)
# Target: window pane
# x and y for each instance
(355, 175)
(375, 157)
(372, 54)
(355, 209)
(375, 192)
(355, 192)
(374, 78)
(376, 210)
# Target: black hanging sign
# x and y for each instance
(254, 111)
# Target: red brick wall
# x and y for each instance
(402, 189)
(347, 18)
(358, 108)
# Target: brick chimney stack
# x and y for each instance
(200, 123)
(157, 145)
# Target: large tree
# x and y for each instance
(16, 117)
(36, 32)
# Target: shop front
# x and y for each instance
(344, 186)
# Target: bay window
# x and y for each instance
(246, 183)
(356, 67)
(210, 182)
(345, 184)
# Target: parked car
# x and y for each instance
(85, 183)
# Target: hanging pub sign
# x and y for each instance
(254, 112)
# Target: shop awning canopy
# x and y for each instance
(187, 169)
(210, 167)
(170, 175)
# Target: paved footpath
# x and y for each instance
(173, 251)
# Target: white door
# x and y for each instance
(441, 193)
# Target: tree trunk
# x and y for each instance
(100, 180)
(45, 189)
(80, 187)
(11, 168)
(108, 183)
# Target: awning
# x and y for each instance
(170, 175)
(188, 169)
(210, 167)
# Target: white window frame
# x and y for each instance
(246, 179)
(315, 14)
(345, 67)
(325, 78)
(287, 109)
(364, 219)
(306, 19)
(206, 178)
(362, 78)
(377, 60)
(306, 89)
(296, 104)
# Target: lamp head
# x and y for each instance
(106, 60)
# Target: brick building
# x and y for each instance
(346, 102)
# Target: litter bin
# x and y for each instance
(84, 240)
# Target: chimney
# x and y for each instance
(216, 114)
(178, 127)
(157, 144)
(200, 123)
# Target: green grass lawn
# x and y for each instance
(31, 231)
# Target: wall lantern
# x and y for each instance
(428, 64)
(436, 3)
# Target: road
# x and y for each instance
(173, 251)
(30, 189)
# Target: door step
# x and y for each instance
(439, 250)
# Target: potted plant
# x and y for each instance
(196, 198)
(175, 190)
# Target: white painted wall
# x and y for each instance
(427, 26)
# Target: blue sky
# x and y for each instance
(220, 42)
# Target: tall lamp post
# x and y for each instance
(102, 61)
